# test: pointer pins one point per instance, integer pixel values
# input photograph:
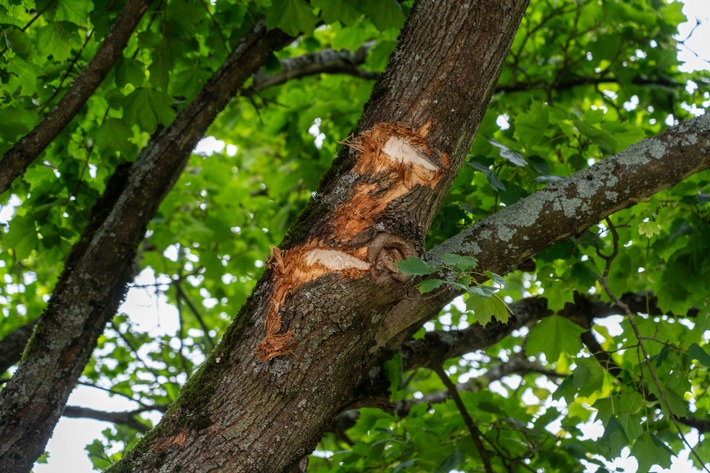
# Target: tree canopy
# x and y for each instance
(103, 101)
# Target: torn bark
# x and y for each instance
(373, 207)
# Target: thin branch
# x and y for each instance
(181, 295)
(325, 61)
(114, 393)
(476, 434)
(217, 27)
(67, 72)
(125, 417)
(20, 156)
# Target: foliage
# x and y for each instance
(583, 80)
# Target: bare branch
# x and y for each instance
(325, 61)
(123, 417)
(21, 155)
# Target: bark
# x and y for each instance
(101, 264)
(315, 312)
(16, 160)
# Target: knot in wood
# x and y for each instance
(383, 252)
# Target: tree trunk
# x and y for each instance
(299, 350)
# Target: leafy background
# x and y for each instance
(582, 81)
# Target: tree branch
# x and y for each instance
(16, 160)
(325, 61)
(562, 210)
(124, 417)
(100, 265)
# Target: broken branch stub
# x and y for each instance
(391, 161)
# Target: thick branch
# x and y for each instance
(100, 265)
(21, 155)
(325, 61)
(564, 209)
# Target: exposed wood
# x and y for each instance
(374, 207)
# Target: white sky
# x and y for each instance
(66, 448)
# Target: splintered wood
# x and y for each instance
(392, 160)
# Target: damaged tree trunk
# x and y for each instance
(298, 351)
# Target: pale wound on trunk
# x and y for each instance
(392, 159)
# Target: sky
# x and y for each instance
(66, 447)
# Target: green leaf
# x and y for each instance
(75, 11)
(429, 285)
(648, 229)
(649, 450)
(394, 372)
(337, 10)
(148, 108)
(697, 352)
(530, 126)
(57, 39)
(459, 263)
(415, 266)
(114, 134)
(614, 438)
(384, 14)
(12, 37)
(450, 462)
(588, 376)
(291, 17)
(15, 122)
(486, 307)
(129, 71)
(22, 237)
(511, 155)
(552, 336)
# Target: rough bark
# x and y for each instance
(101, 264)
(16, 160)
(315, 312)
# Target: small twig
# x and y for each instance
(115, 393)
(181, 294)
(630, 317)
(67, 72)
(476, 434)
(217, 27)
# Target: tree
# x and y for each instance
(335, 320)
